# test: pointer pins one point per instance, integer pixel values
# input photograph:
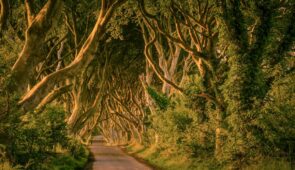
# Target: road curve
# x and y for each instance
(111, 158)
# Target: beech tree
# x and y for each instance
(206, 80)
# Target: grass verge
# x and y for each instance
(165, 160)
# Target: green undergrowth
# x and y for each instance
(64, 161)
(163, 160)
(67, 162)
(40, 142)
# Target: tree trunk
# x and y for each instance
(83, 59)
(4, 13)
(31, 54)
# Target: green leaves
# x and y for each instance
(36, 136)
(182, 121)
(160, 100)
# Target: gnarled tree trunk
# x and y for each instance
(82, 60)
(31, 54)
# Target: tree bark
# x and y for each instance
(4, 13)
(31, 54)
(83, 59)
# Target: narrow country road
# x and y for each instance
(111, 158)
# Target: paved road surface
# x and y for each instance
(111, 158)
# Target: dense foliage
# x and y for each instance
(192, 84)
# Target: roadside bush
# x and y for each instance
(35, 136)
(180, 131)
(277, 119)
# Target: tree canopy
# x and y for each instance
(210, 80)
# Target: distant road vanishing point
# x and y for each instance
(111, 158)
